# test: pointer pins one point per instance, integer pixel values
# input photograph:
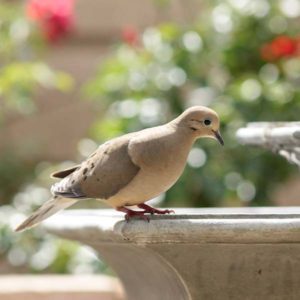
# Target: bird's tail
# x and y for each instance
(48, 209)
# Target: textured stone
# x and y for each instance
(242, 253)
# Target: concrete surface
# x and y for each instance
(230, 253)
(60, 287)
(282, 138)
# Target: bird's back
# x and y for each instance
(102, 174)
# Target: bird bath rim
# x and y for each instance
(201, 225)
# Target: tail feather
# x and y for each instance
(48, 209)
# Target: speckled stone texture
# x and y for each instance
(236, 253)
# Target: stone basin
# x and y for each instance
(215, 253)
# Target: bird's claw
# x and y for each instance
(129, 214)
(152, 210)
(162, 211)
(140, 214)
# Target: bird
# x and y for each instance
(133, 168)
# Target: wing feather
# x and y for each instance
(102, 175)
(64, 173)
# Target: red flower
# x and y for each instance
(130, 35)
(281, 46)
(284, 46)
(55, 17)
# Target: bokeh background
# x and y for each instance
(74, 73)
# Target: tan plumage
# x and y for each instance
(132, 169)
(48, 209)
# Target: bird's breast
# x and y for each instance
(145, 186)
(160, 168)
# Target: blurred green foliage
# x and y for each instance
(21, 70)
(11, 167)
(21, 73)
(150, 78)
(216, 61)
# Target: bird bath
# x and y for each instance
(280, 137)
(218, 253)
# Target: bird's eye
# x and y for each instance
(207, 122)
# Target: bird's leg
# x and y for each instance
(153, 210)
(133, 213)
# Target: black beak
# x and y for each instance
(218, 137)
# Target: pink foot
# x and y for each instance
(153, 210)
(133, 213)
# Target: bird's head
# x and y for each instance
(201, 121)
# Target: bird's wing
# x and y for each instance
(102, 175)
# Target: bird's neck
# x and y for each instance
(184, 133)
(181, 139)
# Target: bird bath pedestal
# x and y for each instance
(230, 253)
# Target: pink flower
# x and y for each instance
(130, 35)
(55, 17)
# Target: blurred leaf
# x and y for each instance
(215, 62)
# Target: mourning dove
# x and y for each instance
(133, 168)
